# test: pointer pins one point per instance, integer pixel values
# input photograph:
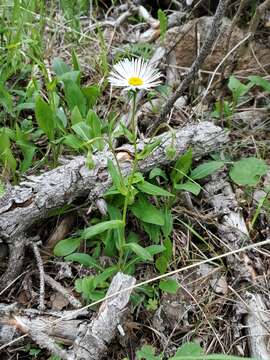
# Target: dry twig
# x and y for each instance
(34, 246)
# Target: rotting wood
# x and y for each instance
(258, 326)
(35, 197)
(90, 345)
(89, 338)
(234, 234)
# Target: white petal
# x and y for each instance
(136, 67)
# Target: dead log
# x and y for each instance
(258, 325)
(32, 200)
(91, 344)
(90, 337)
(37, 195)
(234, 234)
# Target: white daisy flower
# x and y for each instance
(134, 74)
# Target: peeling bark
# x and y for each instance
(234, 234)
(90, 338)
(35, 197)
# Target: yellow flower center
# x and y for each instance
(135, 81)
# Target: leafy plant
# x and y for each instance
(188, 351)
(239, 91)
(32, 351)
(163, 23)
(248, 171)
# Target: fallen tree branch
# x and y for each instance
(41, 275)
(58, 287)
(32, 200)
(258, 325)
(16, 247)
(92, 343)
(89, 338)
(204, 52)
(234, 235)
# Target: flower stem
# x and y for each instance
(130, 178)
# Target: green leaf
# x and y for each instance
(83, 259)
(75, 61)
(6, 156)
(106, 274)
(189, 349)
(61, 118)
(123, 131)
(181, 167)
(72, 76)
(162, 261)
(163, 23)
(170, 286)
(170, 152)
(82, 130)
(2, 189)
(137, 177)
(148, 148)
(237, 88)
(28, 152)
(152, 230)
(45, 117)
(95, 125)
(100, 228)
(87, 285)
(76, 116)
(25, 106)
(157, 172)
(59, 67)
(94, 122)
(67, 246)
(169, 248)
(161, 264)
(168, 223)
(151, 189)
(74, 96)
(91, 93)
(210, 357)
(96, 295)
(54, 357)
(114, 238)
(73, 141)
(147, 352)
(155, 249)
(190, 186)
(34, 352)
(222, 108)
(147, 212)
(248, 171)
(206, 169)
(116, 178)
(139, 250)
(28, 149)
(6, 99)
(259, 81)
